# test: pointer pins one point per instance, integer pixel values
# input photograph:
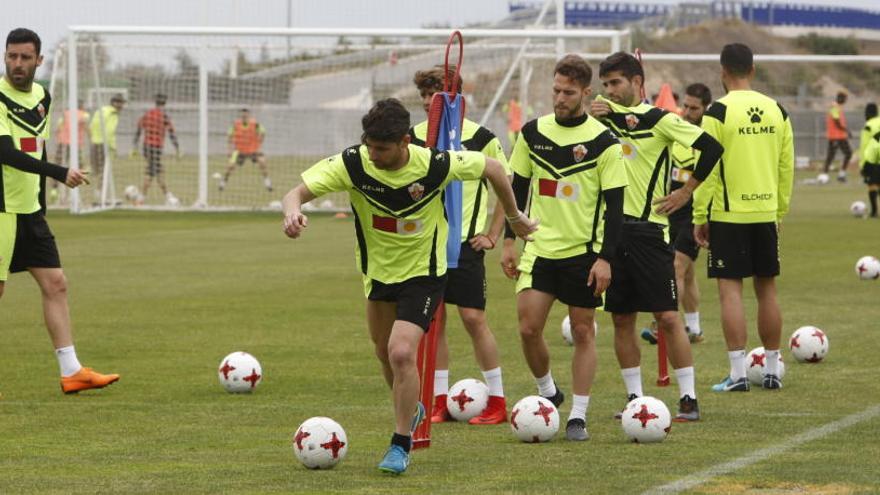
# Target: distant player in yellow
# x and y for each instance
(26, 243)
(870, 169)
(103, 129)
(245, 140)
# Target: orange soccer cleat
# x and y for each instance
(85, 379)
(494, 413)
(439, 413)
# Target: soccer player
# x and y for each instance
(103, 129)
(466, 283)
(26, 243)
(870, 174)
(749, 194)
(396, 189)
(62, 151)
(154, 124)
(573, 168)
(643, 266)
(838, 135)
(245, 139)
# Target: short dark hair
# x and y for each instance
(161, 99)
(737, 59)
(432, 79)
(624, 62)
(841, 96)
(575, 68)
(387, 122)
(24, 35)
(870, 110)
(701, 91)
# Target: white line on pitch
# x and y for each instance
(707, 475)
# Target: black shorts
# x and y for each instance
(740, 250)
(253, 157)
(834, 144)
(681, 237)
(466, 285)
(153, 154)
(871, 173)
(34, 244)
(565, 278)
(642, 272)
(416, 298)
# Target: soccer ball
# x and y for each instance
(275, 205)
(808, 344)
(320, 443)
(534, 419)
(327, 204)
(131, 192)
(467, 399)
(755, 363)
(822, 178)
(646, 420)
(240, 372)
(868, 268)
(566, 330)
(858, 208)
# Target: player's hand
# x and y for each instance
(600, 275)
(599, 108)
(672, 201)
(701, 235)
(76, 177)
(294, 224)
(522, 225)
(509, 259)
(481, 242)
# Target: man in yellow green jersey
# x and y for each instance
(643, 266)
(26, 243)
(396, 190)
(748, 193)
(572, 166)
(102, 129)
(870, 171)
(466, 283)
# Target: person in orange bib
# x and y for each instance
(838, 135)
(245, 140)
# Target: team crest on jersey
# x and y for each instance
(416, 191)
(580, 152)
(631, 121)
(41, 110)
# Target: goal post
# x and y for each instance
(307, 88)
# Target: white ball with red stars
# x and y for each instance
(756, 365)
(467, 399)
(534, 419)
(566, 330)
(320, 443)
(808, 344)
(239, 373)
(868, 268)
(646, 420)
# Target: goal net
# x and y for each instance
(304, 92)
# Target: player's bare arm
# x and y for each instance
(521, 225)
(294, 219)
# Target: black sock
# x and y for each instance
(872, 196)
(402, 441)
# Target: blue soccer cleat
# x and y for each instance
(728, 385)
(395, 461)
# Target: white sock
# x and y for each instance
(546, 387)
(493, 380)
(579, 405)
(771, 362)
(737, 364)
(67, 360)
(692, 321)
(685, 379)
(632, 377)
(441, 382)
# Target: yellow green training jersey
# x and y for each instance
(399, 215)
(752, 182)
(474, 137)
(684, 160)
(869, 132)
(872, 151)
(24, 116)
(569, 167)
(646, 135)
(110, 117)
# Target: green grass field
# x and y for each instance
(161, 298)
